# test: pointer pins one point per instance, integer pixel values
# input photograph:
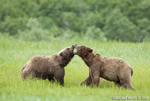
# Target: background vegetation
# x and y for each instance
(102, 20)
(14, 54)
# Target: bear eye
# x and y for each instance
(86, 55)
(67, 48)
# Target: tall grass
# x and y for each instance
(14, 54)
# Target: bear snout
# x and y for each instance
(73, 47)
(75, 51)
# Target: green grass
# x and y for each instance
(14, 54)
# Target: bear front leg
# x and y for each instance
(95, 79)
(60, 80)
(87, 81)
(59, 76)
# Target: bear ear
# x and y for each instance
(61, 54)
(90, 50)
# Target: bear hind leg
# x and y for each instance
(24, 74)
(126, 84)
(117, 83)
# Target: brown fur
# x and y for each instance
(109, 68)
(51, 67)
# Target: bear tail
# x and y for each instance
(131, 71)
(23, 67)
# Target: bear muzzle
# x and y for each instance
(75, 50)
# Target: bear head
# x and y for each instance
(67, 53)
(83, 51)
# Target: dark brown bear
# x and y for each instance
(51, 67)
(109, 68)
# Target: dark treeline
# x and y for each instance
(34, 20)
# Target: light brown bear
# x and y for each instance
(109, 68)
(51, 67)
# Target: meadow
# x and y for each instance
(15, 53)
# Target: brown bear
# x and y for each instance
(109, 68)
(51, 67)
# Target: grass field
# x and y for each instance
(14, 54)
